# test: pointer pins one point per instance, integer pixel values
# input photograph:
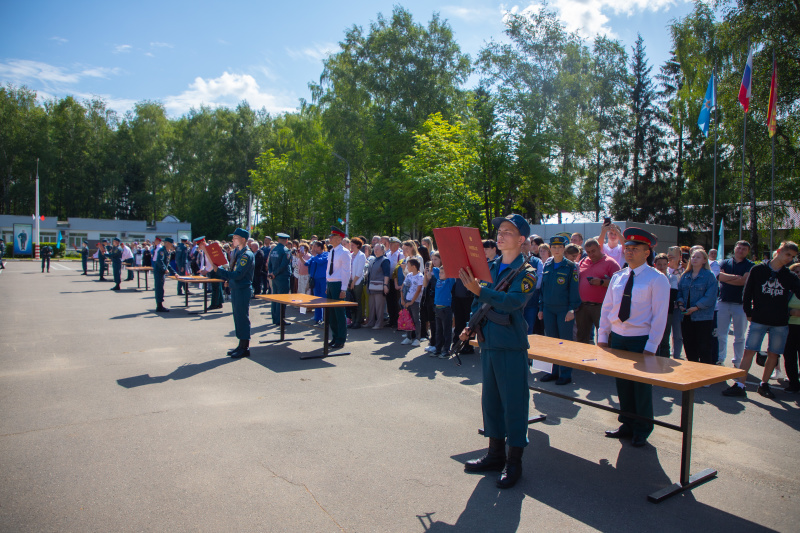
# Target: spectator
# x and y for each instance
(461, 305)
(536, 243)
(317, 270)
(697, 296)
(544, 252)
(595, 271)
(258, 267)
(426, 315)
(613, 248)
(766, 298)
(558, 301)
(712, 262)
(490, 249)
(661, 263)
(573, 252)
(443, 300)
(532, 307)
(395, 256)
(675, 268)
(379, 277)
(732, 278)
(792, 352)
(428, 243)
(410, 297)
(357, 263)
(577, 239)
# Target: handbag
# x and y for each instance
(405, 322)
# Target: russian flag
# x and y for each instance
(744, 90)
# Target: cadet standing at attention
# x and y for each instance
(504, 353)
(115, 254)
(181, 258)
(160, 268)
(46, 252)
(633, 318)
(338, 277)
(102, 249)
(85, 258)
(279, 273)
(240, 280)
(558, 300)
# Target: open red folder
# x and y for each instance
(216, 254)
(462, 247)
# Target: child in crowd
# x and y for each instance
(410, 297)
(442, 301)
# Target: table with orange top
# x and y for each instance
(198, 280)
(310, 302)
(675, 374)
(138, 270)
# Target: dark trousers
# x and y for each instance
(393, 304)
(182, 286)
(47, 260)
(634, 397)
(256, 282)
(240, 302)
(338, 321)
(698, 339)
(444, 329)
(462, 307)
(216, 290)
(557, 327)
(116, 267)
(358, 312)
(587, 319)
(279, 286)
(158, 286)
(129, 263)
(505, 398)
(791, 354)
(663, 348)
(85, 264)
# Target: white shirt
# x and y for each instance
(617, 253)
(414, 281)
(714, 266)
(357, 262)
(341, 266)
(394, 257)
(649, 306)
(127, 254)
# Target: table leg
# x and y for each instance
(205, 297)
(186, 292)
(145, 280)
(325, 350)
(138, 283)
(687, 481)
(282, 337)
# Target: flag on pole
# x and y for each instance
(709, 103)
(744, 90)
(58, 241)
(772, 122)
(721, 245)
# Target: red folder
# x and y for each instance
(216, 254)
(462, 247)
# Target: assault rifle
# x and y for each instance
(477, 317)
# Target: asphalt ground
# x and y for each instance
(115, 418)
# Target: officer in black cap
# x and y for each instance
(160, 269)
(279, 272)
(240, 281)
(181, 259)
(505, 396)
(115, 255)
(85, 258)
(633, 318)
(102, 249)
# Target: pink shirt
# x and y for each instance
(302, 269)
(605, 268)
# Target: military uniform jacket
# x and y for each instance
(506, 328)
(560, 285)
(85, 252)
(115, 254)
(240, 273)
(181, 255)
(161, 261)
(279, 262)
(46, 251)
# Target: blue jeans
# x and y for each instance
(728, 312)
(677, 335)
(555, 326)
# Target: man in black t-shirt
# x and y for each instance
(733, 275)
(766, 304)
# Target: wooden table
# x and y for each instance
(311, 302)
(198, 280)
(675, 374)
(140, 269)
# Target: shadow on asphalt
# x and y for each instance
(280, 358)
(602, 496)
(188, 370)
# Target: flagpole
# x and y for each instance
(36, 233)
(772, 209)
(744, 139)
(714, 209)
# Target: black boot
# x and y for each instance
(233, 350)
(495, 458)
(162, 309)
(513, 470)
(243, 351)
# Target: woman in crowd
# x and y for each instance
(358, 262)
(544, 252)
(697, 296)
(674, 271)
(428, 243)
(317, 269)
(379, 276)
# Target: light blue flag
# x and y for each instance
(58, 242)
(721, 247)
(709, 103)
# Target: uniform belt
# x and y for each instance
(498, 318)
(592, 303)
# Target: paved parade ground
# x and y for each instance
(115, 418)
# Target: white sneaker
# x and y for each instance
(406, 341)
(430, 349)
(415, 343)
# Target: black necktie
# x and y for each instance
(330, 263)
(625, 304)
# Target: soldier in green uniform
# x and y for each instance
(160, 269)
(85, 258)
(181, 258)
(279, 272)
(115, 255)
(102, 249)
(204, 262)
(504, 353)
(46, 252)
(240, 280)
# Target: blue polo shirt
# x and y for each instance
(444, 289)
(732, 293)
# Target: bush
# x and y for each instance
(57, 251)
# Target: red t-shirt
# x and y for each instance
(605, 268)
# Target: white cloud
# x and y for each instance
(590, 17)
(316, 52)
(161, 45)
(122, 48)
(59, 40)
(470, 14)
(227, 90)
(21, 71)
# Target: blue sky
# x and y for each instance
(185, 54)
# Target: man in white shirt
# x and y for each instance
(713, 264)
(338, 277)
(395, 254)
(357, 262)
(127, 260)
(633, 318)
(613, 249)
